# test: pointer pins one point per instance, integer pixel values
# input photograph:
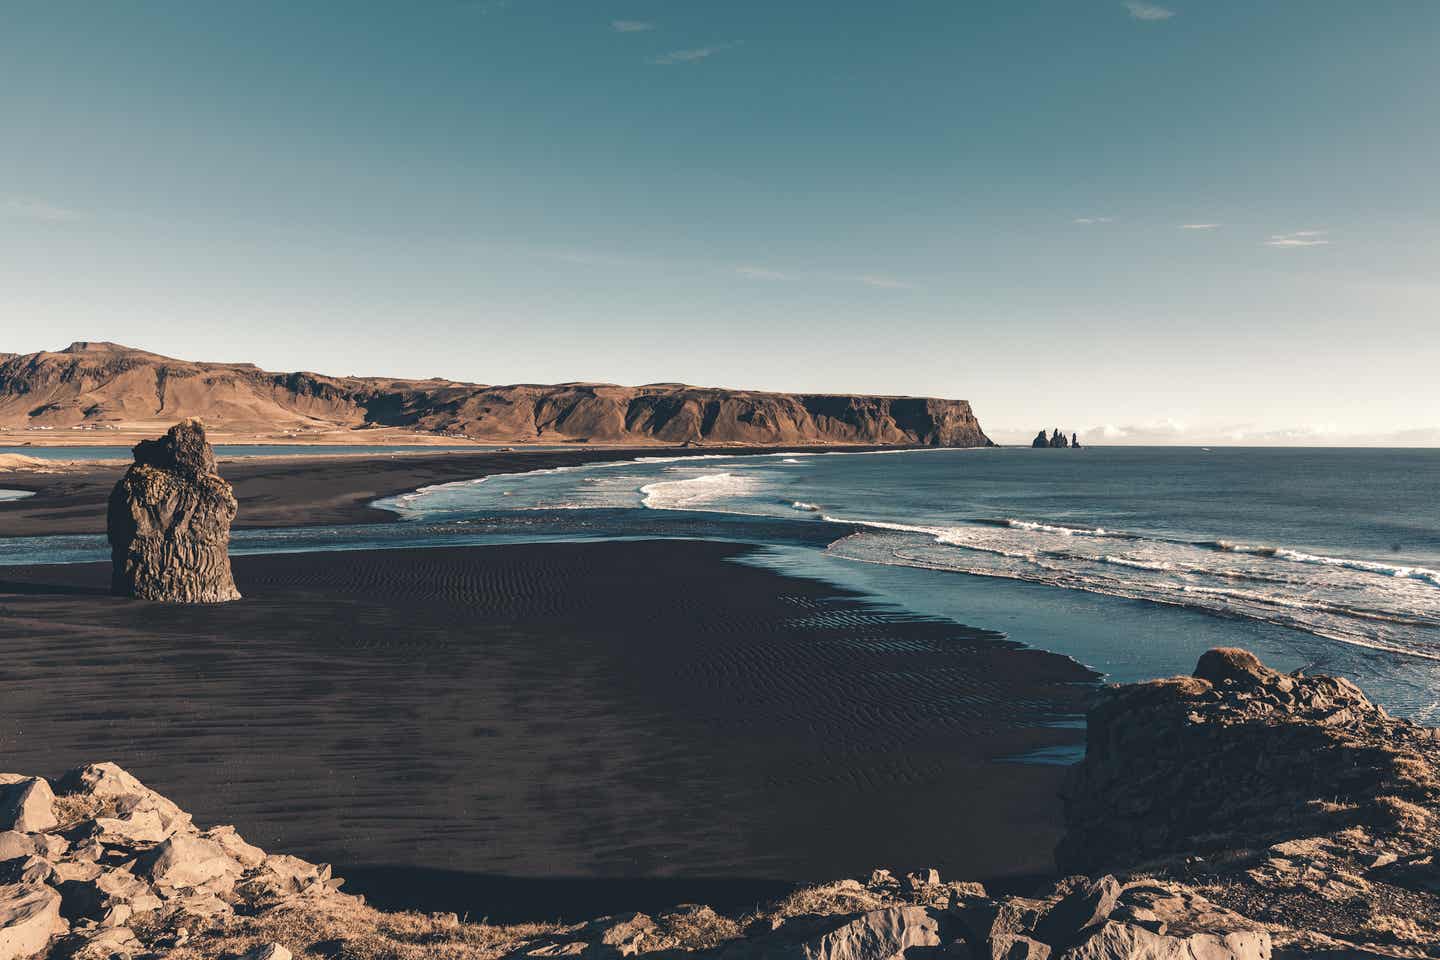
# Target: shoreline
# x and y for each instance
(319, 490)
(575, 718)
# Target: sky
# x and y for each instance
(1192, 222)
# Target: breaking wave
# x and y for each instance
(1367, 603)
(695, 492)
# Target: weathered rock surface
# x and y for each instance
(1290, 799)
(27, 804)
(169, 522)
(29, 917)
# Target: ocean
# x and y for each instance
(1132, 560)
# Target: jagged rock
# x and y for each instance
(169, 522)
(105, 943)
(92, 898)
(29, 917)
(1088, 905)
(1014, 947)
(1041, 441)
(985, 922)
(27, 804)
(267, 951)
(1074, 441)
(14, 844)
(884, 934)
(134, 812)
(27, 870)
(1126, 941)
(186, 861)
(50, 845)
(235, 846)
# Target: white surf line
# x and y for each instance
(394, 502)
(899, 558)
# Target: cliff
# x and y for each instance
(108, 385)
(1237, 814)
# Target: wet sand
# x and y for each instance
(526, 731)
(289, 491)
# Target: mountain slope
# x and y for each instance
(97, 384)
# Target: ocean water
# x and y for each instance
(1131, 560)
(1327, 559)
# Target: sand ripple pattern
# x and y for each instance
(605, 710)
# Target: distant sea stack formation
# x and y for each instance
(1055, 440)
(169, 522)
(105, 385)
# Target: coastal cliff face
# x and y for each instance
(102, 384)
(1238, 814)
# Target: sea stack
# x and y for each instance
(169, 522)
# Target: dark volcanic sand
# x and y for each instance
(307, 491)
(531, 731)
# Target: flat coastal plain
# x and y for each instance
(517, 730)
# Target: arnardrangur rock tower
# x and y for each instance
(169, 522)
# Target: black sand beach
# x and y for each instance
(522, 729)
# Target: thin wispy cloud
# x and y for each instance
(1148, 11)
(760, 273)
(1299, 238)
(688, 56)
(885, 283)
(631, 26)
(1200, 226)
(36, 211)
(1088, 220)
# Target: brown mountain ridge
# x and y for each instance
(110, 386)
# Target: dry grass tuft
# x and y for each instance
(74, 808)
(353, 933)
(1402, 815)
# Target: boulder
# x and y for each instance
(91, 899)
(884, 934)
(15, 844)
(134, 812)
(1014, 947)
(29, 917)
(169, 522)
(1090, 903)
(187, 861)
(27, 804)
(267, 951)
(1126, 941)
(27, 870)
(235, 846)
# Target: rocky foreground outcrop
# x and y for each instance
(1239, 814)
(169, 522)
(103, 385)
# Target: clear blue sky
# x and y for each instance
(1218, 214)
